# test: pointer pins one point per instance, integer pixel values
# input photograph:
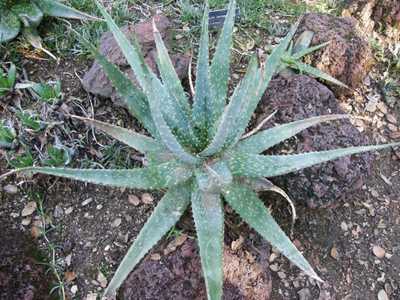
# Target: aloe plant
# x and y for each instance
(7, 80)
(196, 152)
(25, 16)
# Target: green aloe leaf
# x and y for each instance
(133, 139)
(131, 95)
(209, 220)
(154, 177)
(270, 137)
(168, 73)
(254, 165)
(56, 9)
(154, 90)
(28, 12)
(243, 94)
(201, 101)
(252, 210)
(9, 25)
(305, 68)
(219, 69)
(304, 52)
(167, 212)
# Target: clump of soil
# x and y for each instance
(298, 97)
(347, 57)
(178, 275)
(96, 81)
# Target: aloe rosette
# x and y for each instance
(196, 150)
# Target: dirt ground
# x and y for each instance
(353, 244)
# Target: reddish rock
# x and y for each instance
(348, 57)
(95, 80)
(298, 97)
(178, 276)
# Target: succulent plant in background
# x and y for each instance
(7, 80)
(25, 16)
(196, 151)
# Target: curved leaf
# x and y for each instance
(56, 9)
(209, 220)
(243, 94)
(254, 165)
(168, 73)
(9, 26)
(154, 177)
(252, 210)
(167, 212)
(219, 69)
(131, 138)
(270, 137)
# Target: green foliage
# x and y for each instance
(7, 135)
(29, 120)
(7, 80)
(47, 92)
(25, 17)
(57, 156)
(23, 160)
(196, 152)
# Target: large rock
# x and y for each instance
(298, 97)
(348, 57)
(178, 276)
(95, 80)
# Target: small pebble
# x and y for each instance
(29, 208)
(344, 226)
(58, 211)
(155, 256)
(26, 221)
(116, 222)
(74, 289)
(102, 280)
(87, 201)
(382, 295)
(274, 267)
(147, 198)
(281, 275)
(91, 296)
(98, 207)
(10, 189)
(378, 251)
(334, 253)
(391, 118)
(134, 200)
(69, 210)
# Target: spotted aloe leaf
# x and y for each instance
(201, 102)
(140, 142)
(219, 69)
(56, 9)
(254, 165)
(154, 177)
(167, 212)
(273, 136)
(167, 115)
(209, 221)
(252, 210)
(28, 12)
(9, 25)
(243, 94)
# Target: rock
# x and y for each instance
(147, 198)
(382, 295)
(378, 251)
(304, 294)
(29, 209)
(298, 97)
(348, 56)
(74, 289)
(95, 80)
(180, 271)
(116, 222)
(58, 211)
(102, 280)
(87, 201)
(373, 13)
(10, 189)
(134, 200)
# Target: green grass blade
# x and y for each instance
(228, 123)
(12, 76)
(254, 165)
(56, 9)
(9, 26)
(168, 73)
(220, 69)
(209, 220)
(167, 212)
(133, 139)
(305, 68)
(252, 210)
(134, 98)
(154, 177)
(201, 106)
(273, 136)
